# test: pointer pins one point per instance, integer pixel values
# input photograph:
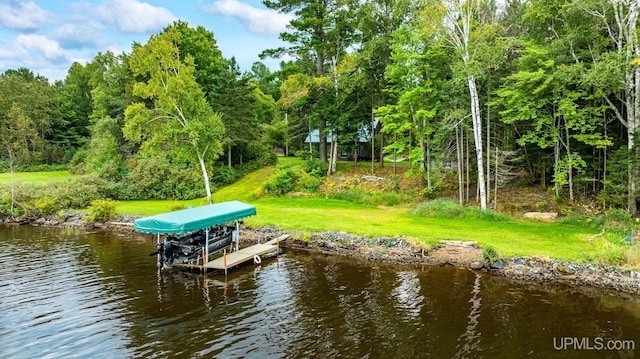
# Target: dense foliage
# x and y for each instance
(541, 91)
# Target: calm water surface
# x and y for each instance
(72, 295)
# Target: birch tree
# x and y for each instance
(620, 18)
(176, 116)
(456, 23)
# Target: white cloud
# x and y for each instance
(23, 15)
(48, 48)
(262, 21)
(134, 16)
(78, 35)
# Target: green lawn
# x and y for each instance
(35, 177)
(508, 238)
(320, 214)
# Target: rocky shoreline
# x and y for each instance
(543, 270)
(399, 250)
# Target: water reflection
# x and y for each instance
(99, 295)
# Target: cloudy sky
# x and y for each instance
(47, 36)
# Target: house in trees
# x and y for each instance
(355, 146)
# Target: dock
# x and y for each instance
(245, 254)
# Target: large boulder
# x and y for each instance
(544, 216)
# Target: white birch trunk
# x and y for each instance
(205, 175)
(477, 138)
(334, 155)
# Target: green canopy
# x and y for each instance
(194, 219)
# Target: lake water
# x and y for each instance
(66, 294)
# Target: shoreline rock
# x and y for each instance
(536, 269)
(398, 250)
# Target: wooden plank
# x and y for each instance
(276, 240)
(241, 256)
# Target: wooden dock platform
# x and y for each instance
(245, 254)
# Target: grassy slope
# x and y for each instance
(320, 214)
(35, 177)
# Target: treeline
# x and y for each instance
(543, 89)
(130, 131)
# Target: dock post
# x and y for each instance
(224, 256)
(206, 247)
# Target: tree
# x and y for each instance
(620, 19)
(459, 24)
(233, 98)
(36, 99)
(323, 28)
(178, 117)
(414, 74)
(18, 139)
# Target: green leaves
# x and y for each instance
(179, 117)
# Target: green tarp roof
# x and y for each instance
(193, 219)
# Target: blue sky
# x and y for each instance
(48, 36)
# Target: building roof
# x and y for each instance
(364, 134)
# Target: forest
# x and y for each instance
(545, 90)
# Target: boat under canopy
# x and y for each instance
(194, 219)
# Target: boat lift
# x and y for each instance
(190, 249)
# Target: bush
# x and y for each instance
(101, 210)
(280, 182)
(443, 208)
(225, 175)
(489, 254)
(77, 192)
(350, 195)
(384, 199)
(156, 178)
(45, 206)
(24, 197)
(307, 182)
(316, 168)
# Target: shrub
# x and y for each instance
(349, 195)
(156, 178)
(307, 182)
(489, 254)
(45, 206)
(225, 175)
(383, 199)
(280, 182)
(316, 168)
(24, 197)
(77, 192)
(101, 210)
(443, 208)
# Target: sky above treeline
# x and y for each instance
(48, 36)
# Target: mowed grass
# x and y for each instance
(508, 238)
(35, 177)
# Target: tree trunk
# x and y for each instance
(310, 145)
(570, 158)
(229, 155)
(488, 177)
(373, 138)
(477, 138)
(334, 155)
(381, 156)
(205, 175)
(459, 158)
(322, 151)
